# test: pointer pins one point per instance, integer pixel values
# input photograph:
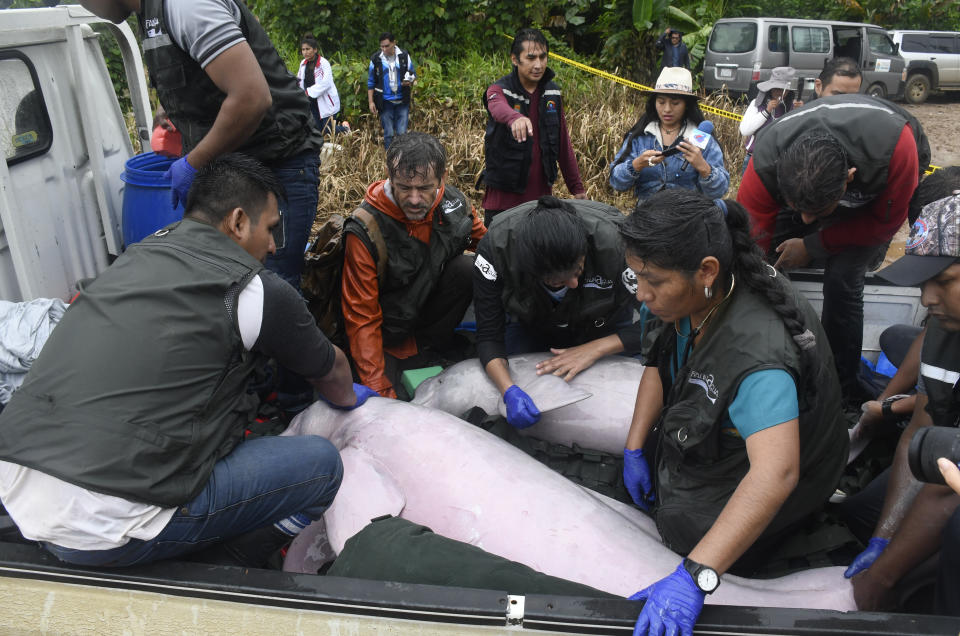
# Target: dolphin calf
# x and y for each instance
(600, 422)
(434, 469)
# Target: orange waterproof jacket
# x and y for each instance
(361, 295)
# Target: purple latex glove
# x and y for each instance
(181, 175)
(866, 558)
(672, 605)
(636, 477)
(362, 392)
(521, 411)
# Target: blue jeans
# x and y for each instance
(393, 118)
(300, 176)
(262, 481)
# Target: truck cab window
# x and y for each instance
(24, 124)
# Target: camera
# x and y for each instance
(929, 444)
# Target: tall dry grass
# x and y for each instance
(598, 115)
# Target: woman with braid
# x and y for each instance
(738, 407)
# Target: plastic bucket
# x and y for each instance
(146, 197)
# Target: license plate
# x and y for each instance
(725, 73)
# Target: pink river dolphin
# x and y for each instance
(599, 422)
(434, 469)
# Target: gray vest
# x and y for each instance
(192, 100)
(142, 386)
(413, 267)
(941, 360)
(698, 468)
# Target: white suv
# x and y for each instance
(933, 62)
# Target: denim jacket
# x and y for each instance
(667, 174)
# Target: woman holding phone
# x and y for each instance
(659, 152)
(774, 100)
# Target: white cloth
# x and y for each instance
(24, 328)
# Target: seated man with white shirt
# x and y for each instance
(126, 444)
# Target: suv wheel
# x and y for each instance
(917, 89)
(877, 90)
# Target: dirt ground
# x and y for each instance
(938, 116)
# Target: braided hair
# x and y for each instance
(812, 171)
(676, 229)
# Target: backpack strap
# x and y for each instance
(376, 237)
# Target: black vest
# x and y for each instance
(586, 312)
(940, 368)
(508, 160)
(403, 64)
(698, 467)
(192, 100)
(868, 129)
(141, 388)
(413, 267)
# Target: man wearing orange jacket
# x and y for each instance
(399, 316)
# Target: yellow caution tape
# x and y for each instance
(640, 87)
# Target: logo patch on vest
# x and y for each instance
(153, 27)
(705, 382)
(451, 205)
(551, 106)
(629, 279)
(598, 282)
(516, 107)
(486, 268)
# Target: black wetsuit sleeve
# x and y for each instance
(488, 306)
(288, 332)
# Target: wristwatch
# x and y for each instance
(886, 407)
(705, 577)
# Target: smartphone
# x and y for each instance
(672, 150)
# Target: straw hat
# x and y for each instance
(780, 77)
(674, 80)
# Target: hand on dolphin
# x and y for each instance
(567, 363)
(672, 605)
(866, 558)
(362, 392)
(636, 477)
(521, 411)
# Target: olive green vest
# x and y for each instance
(586, 312)
(413, 267)
(940, 369)
(698, 467)
(141, 388)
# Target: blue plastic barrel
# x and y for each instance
(146, 197)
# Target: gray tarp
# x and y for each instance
(24, 328)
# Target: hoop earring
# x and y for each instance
(707, 293)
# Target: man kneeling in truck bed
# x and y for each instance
(125, 444)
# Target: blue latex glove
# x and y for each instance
(672, 605)
(362, 392)
(181, 175)
(636, 477)
(866, 558)
(521, 411)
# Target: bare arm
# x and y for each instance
(337, 385)
(647, 409)
(774, 455)
(237, 74)
(902, 488)
(918, 537)
(499, 371)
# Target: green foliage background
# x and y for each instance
(460, 45)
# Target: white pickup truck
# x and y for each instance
(64, 144)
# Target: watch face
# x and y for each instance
(707, 580)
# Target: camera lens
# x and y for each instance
(928, 445)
